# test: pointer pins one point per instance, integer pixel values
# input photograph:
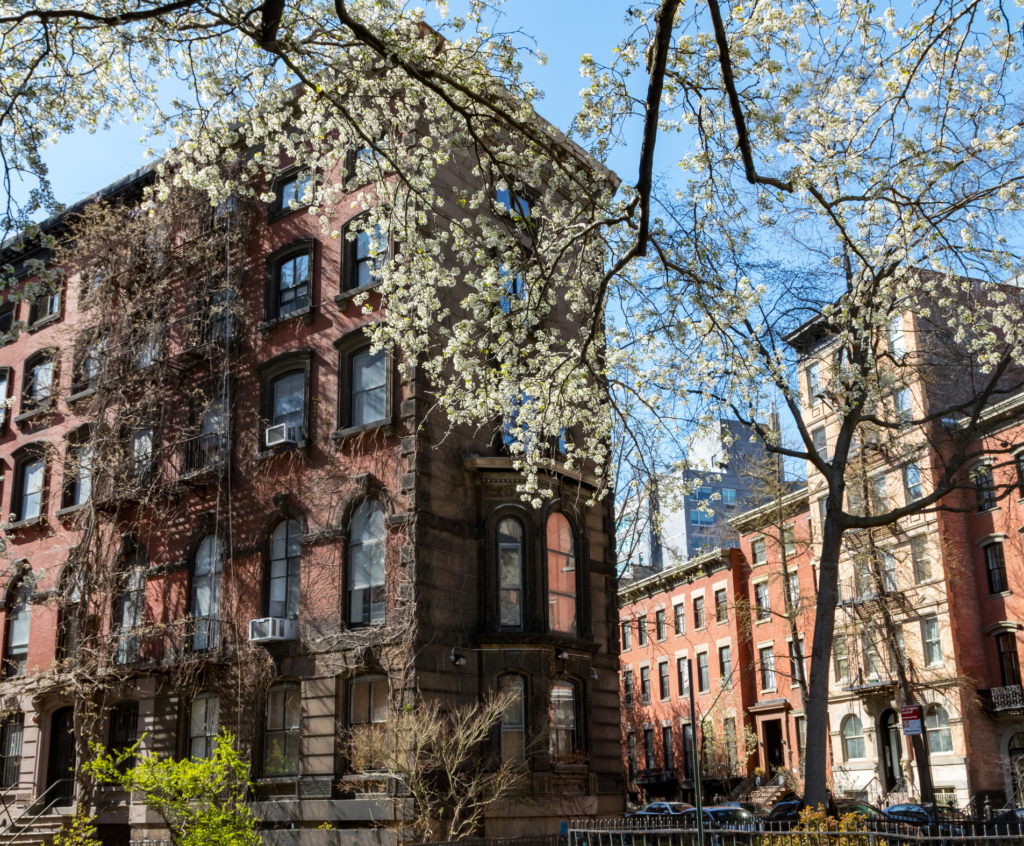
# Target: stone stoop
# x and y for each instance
(38, 832)
(767, 795)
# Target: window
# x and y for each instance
(27, 495)
(793, 590)
(853, 738)
(1020, 474)
(797, 663)
(5, 382)
(6, 318)
(1009, 663)
(368, 387)
(721, 606)
(683, 676)
(124, 731)
(985, 488)
(12, 731)
(207, 451)
(627, 636)
(732, 755)
(841, 660)
(130, 606)
(930, 640)
(70, 597)
(291, 192)
(516, 204)
(39, 381)
(19, 620)
(879, 494)
(912, 482)
(759, 551)
(513, 720)
(767, 657)
(663, 684)
(822, 509)
(510, 577)
(820, 441)
(514, 287)
(698, 612)
(897, 341)
(936, 725)
(203, 725)
(564, 735)
(627, 687)
(363, 257)
(281, 731)
(789, 540)
(649, 748)
(703, 673)
(725, 664)
(701, 518)
(869, 649)
(561, 575)
(645, 685)
(90, 364)
(801, 741)
(206, 570)
(291, 285)
(688, 750)
(920, 558)
(666, 745)
(659, 623)
(632, 755)
(288, 403)
(77, 475)
(995, 564)
(285, 561)
(366, 549)
(368, 701)
(888, 570)
(147, 340)
(762, 604)
(729, 497)
(641, 629)
(44, 306)
(814, 382)
(901, 402)
(680, 615)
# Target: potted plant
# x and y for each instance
(759, 776)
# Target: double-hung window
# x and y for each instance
(77, 475)
(762, 603)
(659, 623)
(645, 685)
(124, 732)
(930, 640)
(985, 488)
(510, 577)
(19, 621)
(285, 563)
(561, 555)
(683, 676)
(721, 606)
(29, 480)
(725, 664)
(703, 673)
(203, 726)
(627, 635)
(767, 660)
(369, 387)
(680, 614)
(292, 192)
(281, 730)
(291, 288)
(288, 403)
(206, 573)
(40, 377)
(912, 482)
(364, 256)
(513, 720)
(921, 560)
(366, 548)
(698, 612)
(995, 564)
(663, 683)
(564, 729)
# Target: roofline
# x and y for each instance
(667, 578)
(754, 518)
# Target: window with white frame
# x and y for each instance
(936, 725)
(366, 549)
(853, 739)
(766, 655)
(931, 640)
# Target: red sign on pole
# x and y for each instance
(910, 716)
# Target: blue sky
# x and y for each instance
(80, 164)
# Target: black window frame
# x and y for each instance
(641, 630)
(7, 309)
(645, 685)
(664, 684)
(349, 346)
(660, 624)
(368, 623)
(35, 316)
(277, 209)
(284, 364)
(721, 606)
(349, 272)
(21, 458)
(290, 585)
(683, 676)
(703, 672)
(15, 664)
(7, 376)
(1009, 658)
(123, 731)
(12, 732)
(271, 293)
(291, 734)
(997, 575)
(30, 404)
(700, 619)
(78, 440)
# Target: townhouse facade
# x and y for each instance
(228, 511)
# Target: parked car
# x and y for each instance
(936, 821)
(1004, 821)
(721, 818)
(663, 809)
(787, 812)
(753, 808)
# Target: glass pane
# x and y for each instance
(510, 532)
(563, 614)
(275, 709)
(293, 706)
(511, 614)
(289, 398)
(510, 567)
(379, 694)
(360, 709)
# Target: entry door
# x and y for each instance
(773, 745)
(62, 754)
(892, 751)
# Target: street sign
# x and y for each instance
(910, 716)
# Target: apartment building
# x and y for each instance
(928, 607)
(228, 511)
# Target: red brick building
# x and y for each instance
(263, 465)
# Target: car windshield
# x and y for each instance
(676, 807)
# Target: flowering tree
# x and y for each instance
(828, 157)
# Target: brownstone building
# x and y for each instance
(234, 513)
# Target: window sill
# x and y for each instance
(44, 322)
(31, 523)
(341, 435)
(769, 690)
(71, 399)
(762, 622)
(1001, 595)
(281, 214)
(345, 297)
(270, 452)
(27, 416)
(71, 509)
(308, 315)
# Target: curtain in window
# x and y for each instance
(563, 719)
(289, 398)
(206, 594)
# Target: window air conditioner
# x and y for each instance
(282, 433)
(273, 629)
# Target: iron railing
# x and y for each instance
(164, 644)
(1010, 698)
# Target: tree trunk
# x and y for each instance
(815, 779)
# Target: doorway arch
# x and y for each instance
(892, 749)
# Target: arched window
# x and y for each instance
(513, 720)
(206, 568)
(124, 731)
(203, 724)
(19, 619)
(936, 724)
(1015, 755)
(70, 605)
(366, 564)
(130, 606)
(510, 573)
(281, 730)
(564, 710)
(561, 575)
(853, 738)
(285, 558)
